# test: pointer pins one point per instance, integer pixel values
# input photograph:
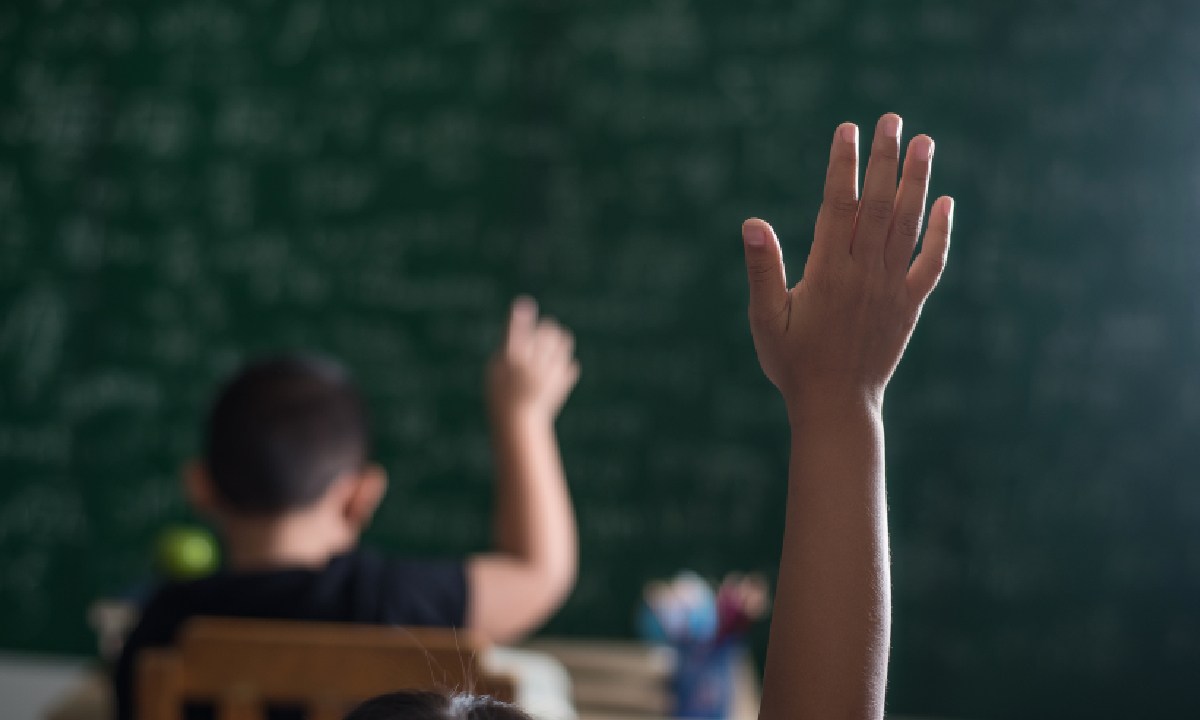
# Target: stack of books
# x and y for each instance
(617, 680)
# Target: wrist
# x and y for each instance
(521, 414)
(830, 407)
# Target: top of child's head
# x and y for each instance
(287, 439)
(281, 431)
(422, 705)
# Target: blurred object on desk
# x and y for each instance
(705, 627)
(623, 680)
(112, 620)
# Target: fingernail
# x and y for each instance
(891, 126)
(949, 213)
(755, 236)
(525, 305)
(923, 148)
(849, 132)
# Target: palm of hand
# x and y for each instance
(844, 326)
(534, 370)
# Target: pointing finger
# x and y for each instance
(522, 320)
(835, 221)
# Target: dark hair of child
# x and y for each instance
(436, 706)
(281, 431)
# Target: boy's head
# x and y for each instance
(281, 432)
(284, 434)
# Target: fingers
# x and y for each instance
(909, 212)
(553, 365)
(764, 267)
(879, 190)
(552, 344)
(835, 221)
(522, 320)
(570, 377)
(542, 342)
(927, 268)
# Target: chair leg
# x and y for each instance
(241, 706)
(158, 693)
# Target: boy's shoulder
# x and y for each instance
(358, 586)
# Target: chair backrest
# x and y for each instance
(241, 665)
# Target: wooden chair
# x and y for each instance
(240, 665)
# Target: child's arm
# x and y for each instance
(516, 588)
(830, 344)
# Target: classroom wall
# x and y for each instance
(186, 184)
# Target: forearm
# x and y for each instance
(835, 338)
(516, 587)
(534, 521)
(828, 647)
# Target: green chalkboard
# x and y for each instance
(186, 183)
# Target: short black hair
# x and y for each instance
(419, 705)
(281, 431)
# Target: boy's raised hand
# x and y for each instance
(533, 565)
(534, 369)
(844, 326)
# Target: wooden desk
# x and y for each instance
(610, 680)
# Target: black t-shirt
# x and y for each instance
(359, 586)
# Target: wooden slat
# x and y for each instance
(158, 686)
(328, 710)
(240, 703)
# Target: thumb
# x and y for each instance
(764, 267)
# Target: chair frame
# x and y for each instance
(241, 665)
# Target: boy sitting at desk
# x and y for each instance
(287, 480)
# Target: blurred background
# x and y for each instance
(184, 184)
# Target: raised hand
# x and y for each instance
(532, 569)
(534, 370)
(844, 326)
(830, 344)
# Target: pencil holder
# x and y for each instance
(703, 679)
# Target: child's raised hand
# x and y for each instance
(534, 369)
(844, 326)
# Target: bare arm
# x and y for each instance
(830, 344)
(517, 587)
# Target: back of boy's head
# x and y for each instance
(281, 431)
(418, 705)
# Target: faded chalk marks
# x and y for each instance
(33, 332)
